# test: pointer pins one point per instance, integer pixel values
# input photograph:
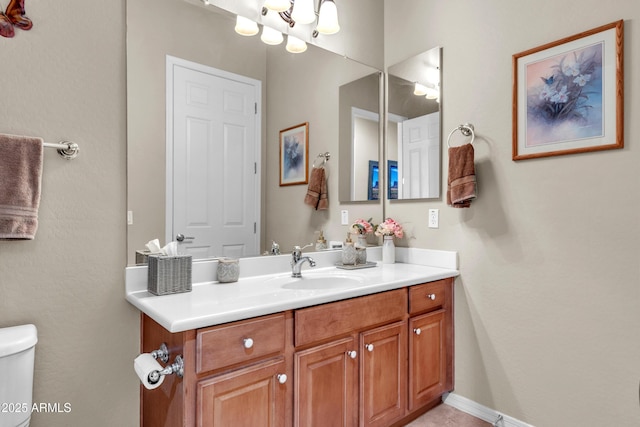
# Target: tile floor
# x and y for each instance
(447, 416)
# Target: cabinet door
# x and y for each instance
(249, 397)
(383, 389)
(428, 347)
(326, 385)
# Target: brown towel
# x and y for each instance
(461, 184)
(317, 192)
(20, 178)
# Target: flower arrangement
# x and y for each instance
(362, 227)
(565, 94)
(390, 228)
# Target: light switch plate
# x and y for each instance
(344, 217)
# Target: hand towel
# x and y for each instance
(317, 192)
(20, 179)
(461, 184)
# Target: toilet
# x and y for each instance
(17, 350)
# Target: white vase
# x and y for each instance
(388, 250)
(362, 240)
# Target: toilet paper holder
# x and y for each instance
(177, 367)
(161, 353)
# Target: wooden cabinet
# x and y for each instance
(383, 374)
(377, 360)
(430, 342)
(326, 385)
(249, 397)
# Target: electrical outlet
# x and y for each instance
(434, 218)
(345, 217)
(129, 217)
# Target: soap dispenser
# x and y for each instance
(321, 243)
(348, 251)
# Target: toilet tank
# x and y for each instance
(17, 350)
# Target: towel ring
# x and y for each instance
(466, 129)
(324, 157)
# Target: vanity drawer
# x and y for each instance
(338, 318)
(226, 345)
(427, 297)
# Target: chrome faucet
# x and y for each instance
(297, 260)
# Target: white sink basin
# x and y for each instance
(310, 281)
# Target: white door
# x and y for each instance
(214, 149)
(419, 156)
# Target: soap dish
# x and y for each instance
(368, 264)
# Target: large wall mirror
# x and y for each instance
(295, 88)
(413, 143)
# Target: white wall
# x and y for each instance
(65, 79)
(547, 305)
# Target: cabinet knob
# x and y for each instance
(369, 347)
(432, 297)
(352, 354)
(417, 331)
(248, 342)
(282, 378)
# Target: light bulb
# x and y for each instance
(432, 93)
(271, 36)
(278, 5)
(246, 27)
(420, 89)
(328, 19)
(295, 45)
(303, 12)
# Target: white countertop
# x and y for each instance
(212, 303)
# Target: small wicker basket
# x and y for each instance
(169, 274)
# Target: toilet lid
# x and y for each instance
(15, 339)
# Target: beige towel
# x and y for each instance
(461, 184)
(317, 192)
(20, 178)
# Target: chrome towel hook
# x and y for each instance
(466, 129)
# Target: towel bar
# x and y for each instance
(67, 149)
(466, 129)
(324, 158)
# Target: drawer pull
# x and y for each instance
(432, 297)
(282, 378)
(352, 354)
(248, 343)
(369, 347)
(417, 331)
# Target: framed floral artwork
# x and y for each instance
(568, 95)
(294, 155)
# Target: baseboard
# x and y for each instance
(480, 411)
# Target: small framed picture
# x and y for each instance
(568, 95)
(294, 155)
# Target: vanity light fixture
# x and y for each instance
(419, 89)
(303, 12)
(295, 45)
(278, 5)
(271, 36)
(432, 93)
(328, 18)
(246, 27)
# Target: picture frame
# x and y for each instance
(568, 95)
(294, 155)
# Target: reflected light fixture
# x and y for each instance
(295, 45)
(246, 27)
(271, 36)
(278, 5)
(420, 89)
(328, 18)
(303, 12)
(432, 93)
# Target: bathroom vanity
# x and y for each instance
(373, 349)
